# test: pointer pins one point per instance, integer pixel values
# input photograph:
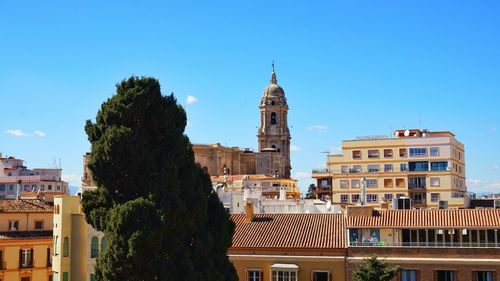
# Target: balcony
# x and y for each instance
(382, 244)
(26, 264)
(3, 265)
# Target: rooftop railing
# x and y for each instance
(433, 244)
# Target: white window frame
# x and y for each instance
(408, 270)
(419, 154)
(371, 198)
(346, 196)
(344, 184)
(433, 183)
(434, 149)
(289, 268)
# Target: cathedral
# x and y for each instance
(273, 137)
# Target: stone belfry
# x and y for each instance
(273, 135)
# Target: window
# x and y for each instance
(388, 183)
(416, 183)
(434, 197)
(400, 182)
(27, 278)
(38, 225)
(356, 154)
(439, 166)
(13, 225)
(387, 153)
(372, 197)
(371, 183)
(49, 187)
(66, 247)
(388, 196)
(418, 151)
(387, 167)
(434, 151)
(49, 257)
(344, 198)
(445, 275)
(402, 153)
(344, 169)
(254, 275)
(408, 275)
(25, 258)
(344, 184)
(321, 276)
(484, 275)
(42, 186)
(435, 181)
(403, 167)
(273, 118)
(354, 183)
(373, 168)
(2, 188)
(355, 198)
(356, 169)
(399, 195)
(419, 166)
(94, 247)
(65, 276)
(287, 273)
(58, 188)
(104, 244)
(373, 153)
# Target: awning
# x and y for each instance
(285, 266)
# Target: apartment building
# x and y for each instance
(16, 179)
(428, 167)
(25, 240)
(427, 244)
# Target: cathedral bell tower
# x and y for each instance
(273, 135)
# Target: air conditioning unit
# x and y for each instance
(443, 204)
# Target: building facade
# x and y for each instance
(16, 178)
(76, 243)
(273, 139)
(25, 240)
(428, 167)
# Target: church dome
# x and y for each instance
(273, 90)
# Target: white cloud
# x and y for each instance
(72, 179)
(191, 100)
(40, 133)
(318, 128)
(295, 148)
(17, 133)
(477, 185)
(302, 175)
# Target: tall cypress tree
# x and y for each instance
(156, 206)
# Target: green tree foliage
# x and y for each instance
(310, 192)
(156, 206)
(374, 269)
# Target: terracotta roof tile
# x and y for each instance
(24, 206)
(293, 231)
(428, 218)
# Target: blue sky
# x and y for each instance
(348, 69)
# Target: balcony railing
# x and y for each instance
(320, 171)
(3, 265)
(26, 264)
(433, 244)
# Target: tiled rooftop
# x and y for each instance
(25, 235)
(428, 218)
(290, 231)
(24, 206)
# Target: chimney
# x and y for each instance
(248, 212)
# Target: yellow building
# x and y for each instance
(76, 243)
(25, 240)
(428, 167)
(288, 247)
(267, 186)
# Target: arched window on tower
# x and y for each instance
(273, 118)
(94, 247)
(272, 103)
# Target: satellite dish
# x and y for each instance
(396, 133)
(407, 133)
